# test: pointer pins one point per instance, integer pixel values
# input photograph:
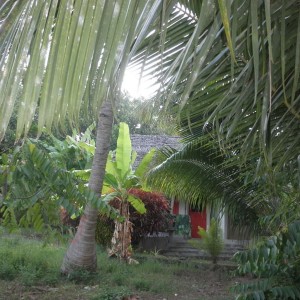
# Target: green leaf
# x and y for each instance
(4, 158)
(255, 44)
(111, 166)
(124, 149)
(111, 180)
(83, 174)
(145, 163)
(137, 204)
(107, 198)
(225, 20)
(132, 181)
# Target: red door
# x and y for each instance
(198, 218)
(176, 208)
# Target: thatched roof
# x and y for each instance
(142, 144)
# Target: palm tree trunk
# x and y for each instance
(82, 251)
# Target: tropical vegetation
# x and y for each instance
(212, 240)
(120, 178)
(228, 71)
(30, 269)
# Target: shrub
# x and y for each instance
(157, 217)
(274, 264)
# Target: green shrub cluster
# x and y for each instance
(156, 218)
(275, 266)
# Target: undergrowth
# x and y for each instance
(29, 261)
(32, 263)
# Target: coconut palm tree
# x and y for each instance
(58, 56)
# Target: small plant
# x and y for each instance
(118, 293)
(155, 252)
(212, 240)
(81, 276)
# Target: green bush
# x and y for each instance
(275, 266)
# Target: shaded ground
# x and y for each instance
(29, 270)
(201, 282)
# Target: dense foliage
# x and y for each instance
(157, 217)
(35, 183)
(104, 230)
(275, 265)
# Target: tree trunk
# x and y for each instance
(121, 240)
(82, 251)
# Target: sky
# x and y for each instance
(145, 89)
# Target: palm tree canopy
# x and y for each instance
(58, 55)
(234, 64)
(232, 70)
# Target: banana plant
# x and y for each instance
(119, 180)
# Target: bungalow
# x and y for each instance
(142, 145)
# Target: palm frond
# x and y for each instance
(58, 55)
(198, 174)
(251, 101)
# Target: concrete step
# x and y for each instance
(179, 247)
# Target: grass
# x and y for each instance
(31, 269)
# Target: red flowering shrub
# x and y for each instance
(156, 218)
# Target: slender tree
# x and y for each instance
(82, 251)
